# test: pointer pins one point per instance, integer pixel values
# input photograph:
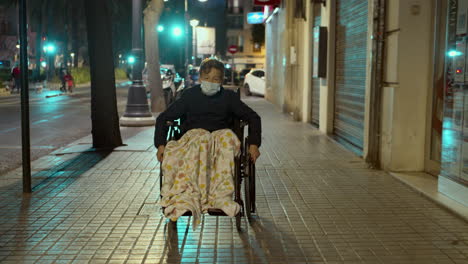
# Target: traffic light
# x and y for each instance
(177, 31)
(131, 59)
(49, 48)
(160, 28)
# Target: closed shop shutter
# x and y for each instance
(316, 81)
(351, 54)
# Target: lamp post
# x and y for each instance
(186, 16)
(137, 111)
(49, 50)
(194, 23)
(73, 59)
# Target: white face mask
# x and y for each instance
(210, 88)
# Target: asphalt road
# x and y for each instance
(54, 122)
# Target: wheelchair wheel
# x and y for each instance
(247, 195)
(238, 220)
(251, 181)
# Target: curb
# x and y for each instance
(440, 199)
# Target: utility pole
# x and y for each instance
(25, 133)
(187, 41)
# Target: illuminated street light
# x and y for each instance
(454, 53)
(131, 59)
(194, 22)
(73, 59)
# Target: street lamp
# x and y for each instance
(137, 111)
(49, 50)
(131, 59)
(194, 23)
(73, 59)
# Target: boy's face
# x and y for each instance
(214, 76)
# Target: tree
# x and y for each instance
(151, 18)
(104, 115)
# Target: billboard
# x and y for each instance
(206, 40)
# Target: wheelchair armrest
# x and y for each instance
(169, 123)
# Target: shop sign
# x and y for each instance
(206, 40)
(255, 18)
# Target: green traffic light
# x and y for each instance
(49, 48)
(160, 28)
(131, 59)
(177, 31)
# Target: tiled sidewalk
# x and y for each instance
(317, 203)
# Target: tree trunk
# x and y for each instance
(151, 19)
(104, 115)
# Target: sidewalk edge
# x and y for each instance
(426, 185)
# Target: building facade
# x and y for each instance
(239, 33)
(393, 91)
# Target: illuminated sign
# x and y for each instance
(255, 18)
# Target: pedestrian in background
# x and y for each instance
(68, 79)
(16, 75)
(62, 73)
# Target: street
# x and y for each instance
(55, 122)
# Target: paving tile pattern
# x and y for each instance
(317, 203)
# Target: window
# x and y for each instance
(257, 47)
(240, 43)
(235, 22)
(258, 73)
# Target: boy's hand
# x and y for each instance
(254, 153)
(160, 153)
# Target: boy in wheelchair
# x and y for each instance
(198, 168)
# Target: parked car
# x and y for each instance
(227, 77)
(254, 82)
(194, 75)
(242, 75)
(172, 82)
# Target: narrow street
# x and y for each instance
(55, 122)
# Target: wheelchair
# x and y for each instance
(244, 172)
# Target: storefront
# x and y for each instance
(350, 77)
(451, 27)
(315, 100)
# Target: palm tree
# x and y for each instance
(152, 13)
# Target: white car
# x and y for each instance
(254, 82)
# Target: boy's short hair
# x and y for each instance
(209, 64)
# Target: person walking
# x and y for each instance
(62, 73)
(68, 79)
(16, 75)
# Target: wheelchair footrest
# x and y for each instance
(214, 212)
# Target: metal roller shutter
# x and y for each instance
(316, 81)
(350, 83)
